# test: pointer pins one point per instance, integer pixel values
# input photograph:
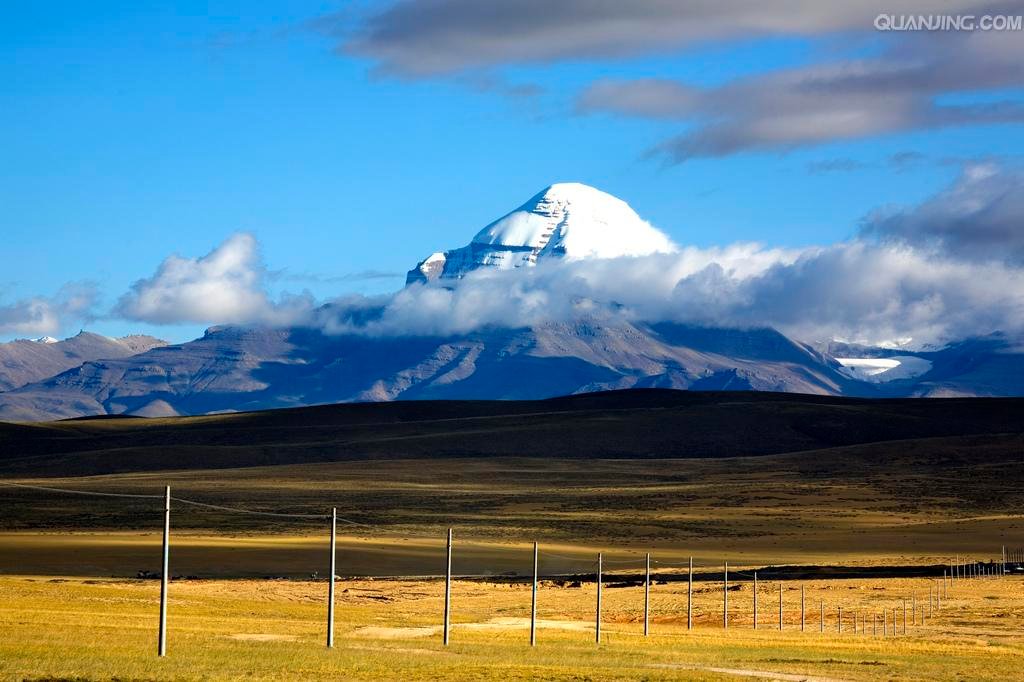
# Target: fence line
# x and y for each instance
(961, 568)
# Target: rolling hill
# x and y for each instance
(645, 423)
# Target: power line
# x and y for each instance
(545, 554)
(80, 492)
(195, 503)
(238, 510)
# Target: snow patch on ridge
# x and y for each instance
(879, 370)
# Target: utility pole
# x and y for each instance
(330, 579)
(780, 605)
(647, 595)
(533, 601)
(448, 587)
(755, 600)
(689, 597)
(725, 596)
(597, 627)
(161, 646)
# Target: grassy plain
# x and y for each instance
(780, 483)
(910, 502)
(57, 628)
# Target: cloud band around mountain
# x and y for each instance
(948, 268)
(933, 273)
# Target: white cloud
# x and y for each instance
(226, 285)
(892, 282)
(874, 292)
(41, 315)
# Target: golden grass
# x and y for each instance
(901, 505)
(104, 629)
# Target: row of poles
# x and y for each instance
(958, 569)
(936, 592)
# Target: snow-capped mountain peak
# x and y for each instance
(567, 220)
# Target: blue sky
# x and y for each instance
(132, 131)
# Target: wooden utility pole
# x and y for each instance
(780, 605)
(597, 626)
(803, 620)
(755, 600)
(689, 597)
(330, 579)
(647, 594)
(533, 601)
(161, 646)
(725, 596)
(448, 587)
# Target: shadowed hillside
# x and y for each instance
(619, 424)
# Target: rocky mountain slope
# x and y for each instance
(236, 368)
(247, 368)
(24, 361)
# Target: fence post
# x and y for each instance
(725, 596)
(330, 579)
(448, 587)
(821, 615)
(894, 621)
(689, 597)
(885, 621)
(914, 613)
(904, 615)
(597, 627)
(533, 601)
(780, 605)
(755, 600)
(161, 646)
(840, 620)
(647, 594)
(874, 624)
(802, 619)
